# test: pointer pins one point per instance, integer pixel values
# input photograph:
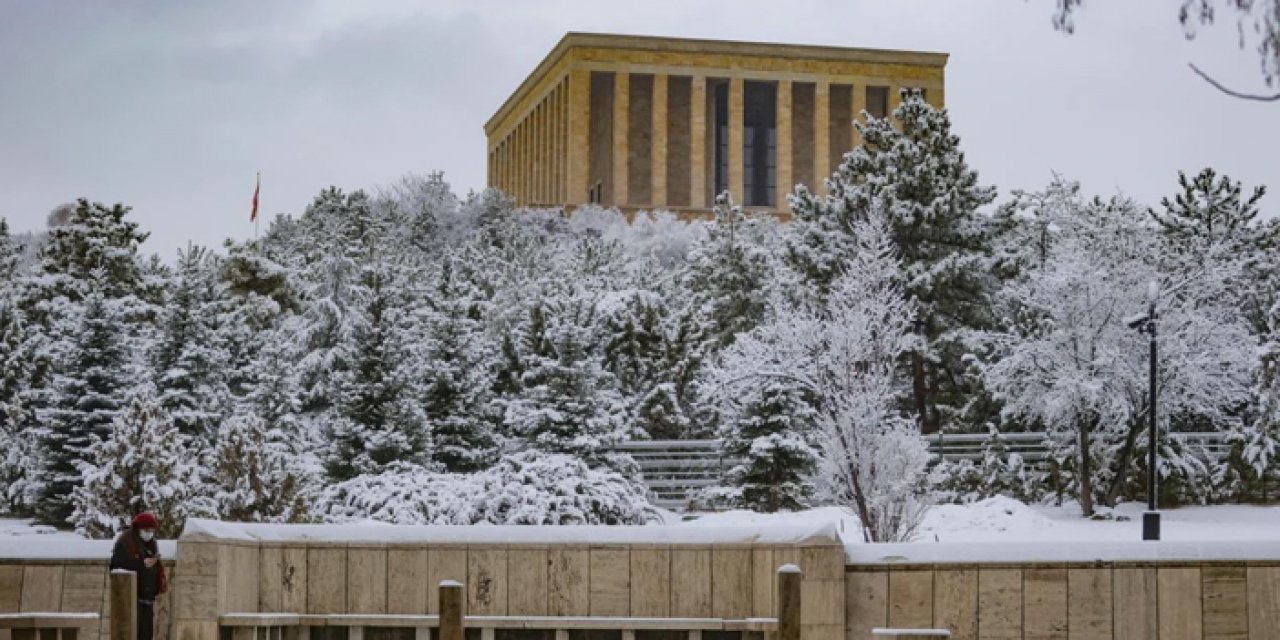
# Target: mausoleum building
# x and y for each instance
(645, 122)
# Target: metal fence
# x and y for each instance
(675, 470)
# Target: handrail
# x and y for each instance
(674, 470)
(496, 622)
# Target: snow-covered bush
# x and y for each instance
(999, 472)
(524, 488)
(255, 474)
(145, 464)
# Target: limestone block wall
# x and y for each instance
(1150, 600)
(722, 580)
(74, 585)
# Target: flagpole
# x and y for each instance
(255, 207)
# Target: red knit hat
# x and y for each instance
(145, 520)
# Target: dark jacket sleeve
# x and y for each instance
(121, 558)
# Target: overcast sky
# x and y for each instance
(171, 107)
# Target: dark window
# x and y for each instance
(595, 634)
(721, 137)
(759, 143)
(523, 634)
(878, 102)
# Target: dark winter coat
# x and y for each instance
(130, 553)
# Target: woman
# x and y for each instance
(136, 551)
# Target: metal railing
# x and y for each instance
(675, 470)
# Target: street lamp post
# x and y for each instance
(1151, 519)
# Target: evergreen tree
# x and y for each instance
(257, 475)
(96, 250)
(90, 383)
(19, 457)
(911, 167)
(380, 420)
(189, 360)
(728, 273)
(566, 402)
(143, 463)
(1211, 224)
(655, 354)
(771, 434)
(455, 379)
(1211, 210)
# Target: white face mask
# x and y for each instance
(146, 535)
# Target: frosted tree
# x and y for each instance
(143, 463)
(911, 165)
(844, 354)
(92, 378)
(1251, 471)
(256, 474)
(189, 361)
(1067, 360)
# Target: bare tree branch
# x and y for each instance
(1235, 94)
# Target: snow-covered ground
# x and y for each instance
(1006, 520)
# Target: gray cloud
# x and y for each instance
(172, 107)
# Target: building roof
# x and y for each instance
(575, 39)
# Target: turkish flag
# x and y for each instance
(253, 215)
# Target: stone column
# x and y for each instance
(735, 140)
(859, 105)
(895, 100)
(578, 141)
(698, 142)
(536, 167)
(659, 137)
(821, 135)
(621, 129)
(785, 178)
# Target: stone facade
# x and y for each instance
(642, 122)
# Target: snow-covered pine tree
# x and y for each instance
(19, 456)
(380, 418)
(912, 166)
(142, 463)
(566, 402)
(1210, 211)
(655, 351)
(455, 377)
(728, 273)
(91, 380)
(189, 362)
(256, 475)
(95, 250)
(1212, 224)
(771, 432)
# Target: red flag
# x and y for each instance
(253, 215)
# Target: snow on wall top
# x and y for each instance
(805, 533)
(65, 548)
(1021, 552)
